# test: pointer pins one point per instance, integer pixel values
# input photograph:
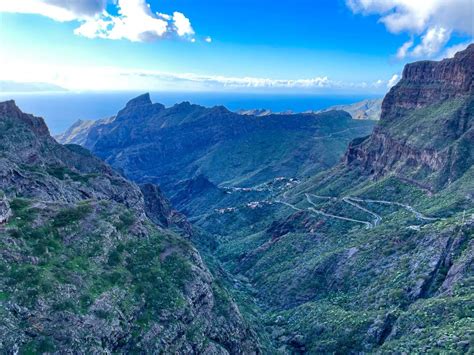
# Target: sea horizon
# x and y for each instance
(61, 109)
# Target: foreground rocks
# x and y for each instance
(89, 264)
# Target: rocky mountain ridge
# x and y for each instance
(89, 262)
(371, 254)
(439, 91)
(186, 142)
(369, 109)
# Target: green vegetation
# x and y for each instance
(62, 173)
(71, 215)
(335, 286)
(65, 278)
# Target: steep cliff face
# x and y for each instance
(89, 264)
(428, 82)
(159, 210)
(426, 128)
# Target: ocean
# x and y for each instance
(61, 110)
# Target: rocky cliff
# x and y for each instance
(428, 82)
(89, 264)
(426, 129)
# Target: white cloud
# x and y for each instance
(208, 39)
(182, 25)
(403, 50)
(57, 10)
(451, 51)
(432, 42)
(218, 81)
(393, 80)
(100, 78)
(435, 20)
(135, 21)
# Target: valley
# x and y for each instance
(279, 233)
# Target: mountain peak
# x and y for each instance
(9, 109)
(184, 104)
(140, 100)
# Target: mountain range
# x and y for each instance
(190, 150)
(281, 233)
(369, 109)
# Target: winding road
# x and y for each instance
(417, 214)
(377, 217)
(313, 209)
(354, 201)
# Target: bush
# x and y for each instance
(71, 215)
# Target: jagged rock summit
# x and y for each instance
(140, 101)
(10, 109)
(167, 146)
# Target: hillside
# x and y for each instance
(369, 109)
(92, 263)
(377, 253)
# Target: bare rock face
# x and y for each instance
(160, 211)
(426, 129)
(424, 83)
(5, 211)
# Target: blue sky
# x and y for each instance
(247, 45)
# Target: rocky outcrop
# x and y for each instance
(428, 82)
(160, 211)
(426, 126)
(5, 211)
(36, 124)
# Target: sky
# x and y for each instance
(307, 46)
